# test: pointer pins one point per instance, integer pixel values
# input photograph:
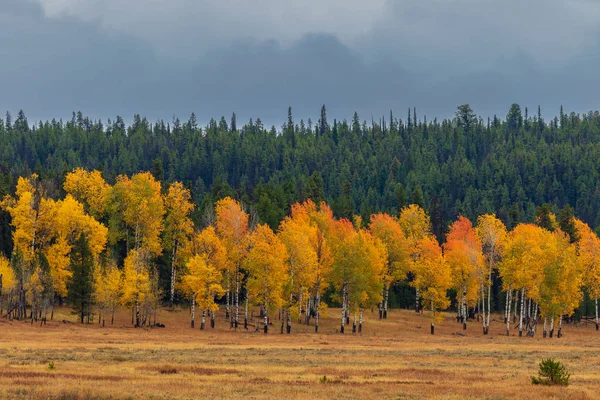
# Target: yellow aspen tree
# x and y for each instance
(433, 278)
(492, 236)
(208, 245)
(321, 218)
(108, 283)
(589, 258)
(136, 283)
(232, 227)
(89, 188)
(370, 263)
(202, 282)
(31, 217)
(522, 265)
(138, 207)
(267, 273)
(178, 226)
(463, 254)
(296, 233)
(343, 237)
(7, 280)
(560, 290)
(416, 225)
(388, 230)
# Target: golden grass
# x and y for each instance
(396, 358)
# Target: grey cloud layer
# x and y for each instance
(116, 57)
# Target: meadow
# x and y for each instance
(392, 359)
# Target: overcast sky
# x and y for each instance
(162, 58)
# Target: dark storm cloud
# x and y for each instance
(113, 57)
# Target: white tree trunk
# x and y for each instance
(522, 311)
(193, 310)
(507, 313)
(597, 327)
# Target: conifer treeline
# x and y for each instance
(98, 248)
(466, 165)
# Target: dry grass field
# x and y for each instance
(393, 359)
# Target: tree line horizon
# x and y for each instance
(98, 248)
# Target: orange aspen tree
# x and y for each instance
(202, 281)
(267, 273)
(388, 230)
(232, 227)
(416, 225)
(178, 226)
(432, 278)
(463, 253)
(492, 236)
(208, 245)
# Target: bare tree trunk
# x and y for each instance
(560, 319)
(597, 327)
(193, 311)
(343, 309)
(483, 308)
(507, 305)
(545, 332)
(385, 303)
(237, 295)
(266, 322)
(300, 307)
(516, 306)
(522, 311)
(317, 311)
(246, 313)
(463, 307)
(354, 324)
(203, 323)
(212, 319)
(507, 313)
(360, 320)
(227, 306)
(417, 307)
(552, 327)
(173, 274)
(489, 302)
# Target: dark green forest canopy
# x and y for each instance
(466, 165)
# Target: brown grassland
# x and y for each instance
(392, 359)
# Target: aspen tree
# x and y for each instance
(178, 227)
(297, 234)
(492, 236)
(433, 278)
(137, 205)
(416, 225)
(463, 253)
(208, 245)
(203, 282)
(267, 272)
(388, 230)
(589, 255)
(7, 280)
(523, 263)
(232, 227)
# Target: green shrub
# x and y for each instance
(551, 373)
(323, 379)
(51, 365)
